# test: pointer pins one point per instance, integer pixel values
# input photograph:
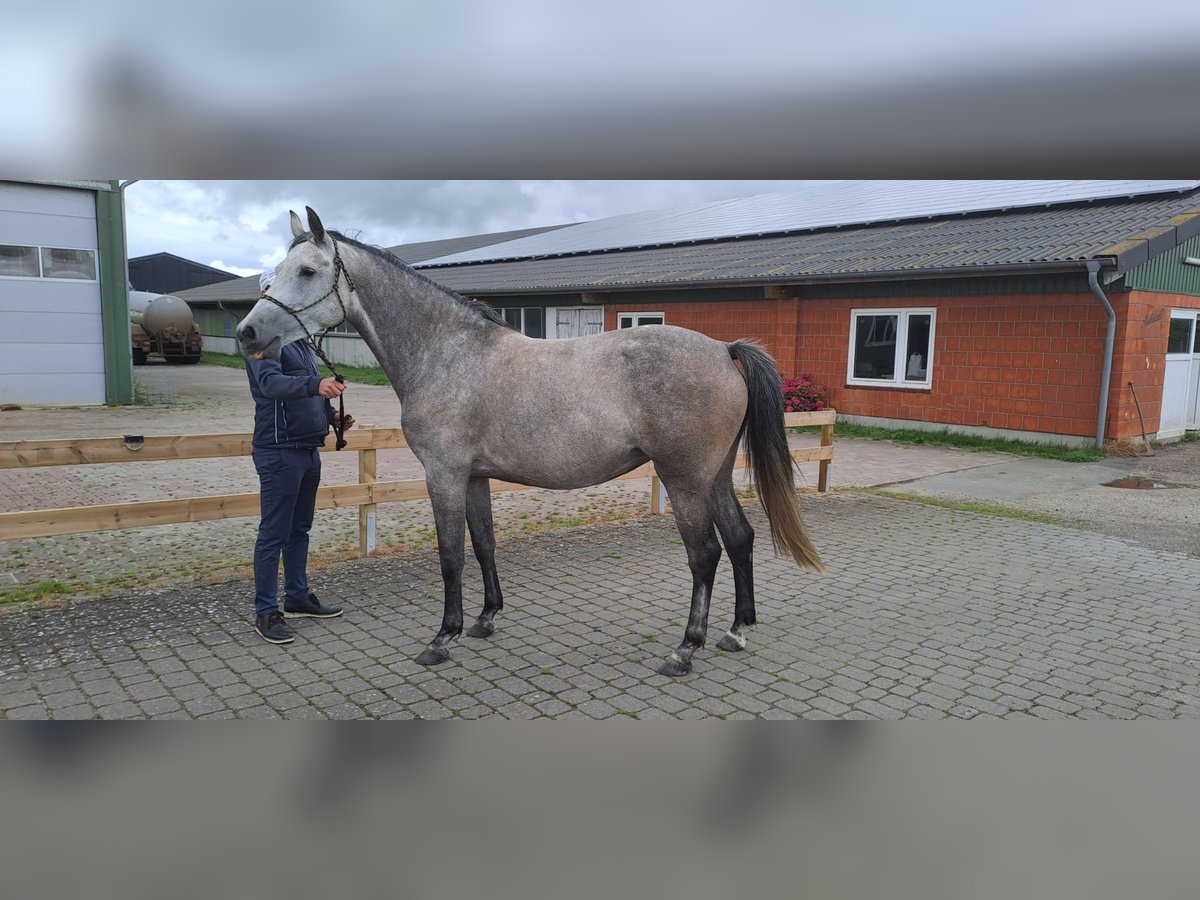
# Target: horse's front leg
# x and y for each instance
(448, 494)
(483, 541)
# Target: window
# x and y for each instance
(19, 262)
(529, 320)
(632, 320)
(58, 263)
(1179, 338)
(891, 347)
(47, 262)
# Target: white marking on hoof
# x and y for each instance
(675, 657)
(739, 639)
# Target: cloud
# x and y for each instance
(242, 226)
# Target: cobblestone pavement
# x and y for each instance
(925, 612)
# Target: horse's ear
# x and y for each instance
(297, 228)
(315, 226)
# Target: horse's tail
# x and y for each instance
(771, 466)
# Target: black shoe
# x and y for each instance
(271, 627)
(312, 607)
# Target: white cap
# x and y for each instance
(266, 279)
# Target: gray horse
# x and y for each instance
(480, 400)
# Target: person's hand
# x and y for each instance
(345, 423)
(330, 387)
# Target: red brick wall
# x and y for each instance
(774, 322)
(1020, 362)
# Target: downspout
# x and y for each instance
(1109, 338)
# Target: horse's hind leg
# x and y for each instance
(738, 536)
(694, 520)
(483, 541)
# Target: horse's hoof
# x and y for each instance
(481, 630)
(432, 656)
(674, 668)
(729, 644)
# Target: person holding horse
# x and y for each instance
(292, 416)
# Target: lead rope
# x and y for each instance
(339, 428)
(339, 269)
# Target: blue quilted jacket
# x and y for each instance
(288, 411)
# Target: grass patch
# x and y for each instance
(988, 509)
(358, 374)
(43, 590)
(947, 438)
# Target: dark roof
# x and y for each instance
(809, 206)
(245, 289)
(1120, 234)
(166, 273)
(191, 263)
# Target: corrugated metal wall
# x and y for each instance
(1168, 273)
(52, 348)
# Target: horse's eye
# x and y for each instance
(307, 272)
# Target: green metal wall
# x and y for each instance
(114, 297)
(1167, 273)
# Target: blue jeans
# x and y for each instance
(288, 481)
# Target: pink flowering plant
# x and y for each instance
(803, 394)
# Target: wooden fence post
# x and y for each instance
(658, 496)
(823, 466)
(366, 512)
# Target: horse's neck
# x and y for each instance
(407, 323)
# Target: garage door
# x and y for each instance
(51, 340)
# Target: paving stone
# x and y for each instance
(160, 705)
(32, 711)
(258, 712)
(18, 699)
(81, 711)
(204, 705)
(126, 710)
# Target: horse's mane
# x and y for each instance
(478, 307)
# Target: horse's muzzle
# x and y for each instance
(253, 346)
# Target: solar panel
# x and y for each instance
(823, 204)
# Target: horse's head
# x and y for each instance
(309, 294)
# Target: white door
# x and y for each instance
(1181, 376)
(576, 321)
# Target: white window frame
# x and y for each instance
(1190, 315)
(95, 256)
(503, 310)
(900, 364)
(37, 255)
(42, 276)
(633, 317)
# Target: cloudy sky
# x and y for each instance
(242, 226)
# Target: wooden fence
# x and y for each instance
(365, 494)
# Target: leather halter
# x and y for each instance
(339, 270)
